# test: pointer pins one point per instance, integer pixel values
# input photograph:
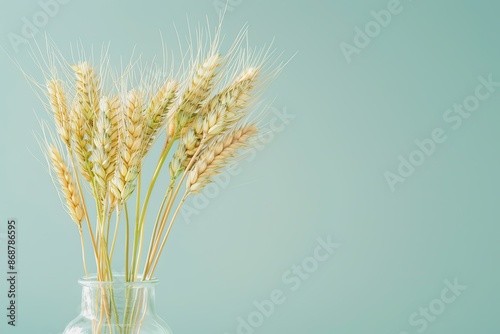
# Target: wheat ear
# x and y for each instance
(217, 156)
(67, 184)
(85, 107)
(87, 89)
(155, 116)
(73, 203)
(198, 90)
(221, 112)
(131, 141)
(105, 144)
(59, 105)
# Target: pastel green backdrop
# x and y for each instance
(323, 173)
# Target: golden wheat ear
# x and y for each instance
(105, 140)
(221, 112)
(67, 184)
(217, 156)
(155, 116)
(59, 106)
(82, 117)
(196, 93)
(131, 141)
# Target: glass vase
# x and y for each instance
(117, 307)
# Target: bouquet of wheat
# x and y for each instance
(106, 124)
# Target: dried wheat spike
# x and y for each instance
(197, 92)
(155, 116)
(85, 107)
(217, 156)
(131, 141)
(105, 144)
(87, 90)
(225, 109)
(221, 112)
(80, 141)
(176, 164)
(65, 178)
(59, 105)
(181, 157)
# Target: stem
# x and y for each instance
(115, 234)
(101, 220)
(167, 233)
(83, 250)
(159, 166)
(134, 251)
(141, 227)
(168, 193)
(138, 198)
(108, 222)
(84, 205)
(127, 237)
(172, 198)
(142, 217)
(101, 216)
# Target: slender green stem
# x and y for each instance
(80, 231)
(134, 251)
(162, 226)
(141, 226)
(168, 193)
(158, 169)
(138, 198)
(139, 232)
(99, 227)
(172, 200)
(115, 234)
(108, 223)
(84, 204)
(127, 241)
(167, 234)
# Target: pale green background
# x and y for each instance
(323, 175)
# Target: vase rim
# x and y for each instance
(118, 279)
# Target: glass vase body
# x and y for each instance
(117, 307)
